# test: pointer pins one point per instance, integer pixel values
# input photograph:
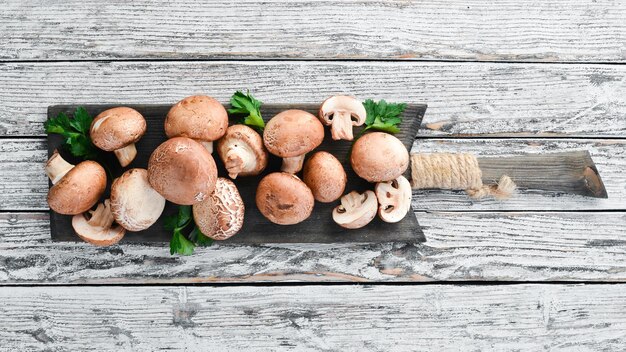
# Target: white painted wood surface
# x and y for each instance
(315, 318)
(545, 31)
(484, 99)
(460, 246)
(23, 183)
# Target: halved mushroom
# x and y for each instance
(198, 117)
(356, 210)
(379, 157)
(341, 112)
(182, 171)
(284, 199)
(117, 130)
(220, 216)
(96, 226)
(75, 189)
(394, 199)
(241, 149)
(290, 135)
(325, 176)
(134, 203)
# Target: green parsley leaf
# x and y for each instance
(75, 131)
(247, 107)
(383, 116)
(179, 244)
(200, 239)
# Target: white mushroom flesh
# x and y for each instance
(57, 167)
(293, 165)
(134, 203)
(239, 158)
(346, 112)
(356, 210)
(126, 155)
(394, 198)
(98, 228)
(207, 144)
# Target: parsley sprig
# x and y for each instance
(181, 244)
(75, 131)
(247, 107)
(383, 116)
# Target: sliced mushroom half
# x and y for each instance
(394, 198)
(356, 210)
(96, 226)
(341, 112)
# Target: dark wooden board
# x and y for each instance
(567, 172)
(319, 228)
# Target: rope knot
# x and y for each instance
(457, 172)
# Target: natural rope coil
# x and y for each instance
(456, 171)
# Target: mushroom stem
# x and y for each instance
(207, 144)
(293, 165)
(126, 155)
(57, 167)
(341, 127)
(102, 216)
(238, 159)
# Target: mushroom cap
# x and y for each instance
(198, 117)
(325, 176)
(134, 203)
(182, 171)
(284, 199)
(220, 216)
(79, 189)
(116, 128)
(293, 133)
(343, 103)
(379, 157)
(94, 234)
(356, 210)
(394, 199)
(252, 142)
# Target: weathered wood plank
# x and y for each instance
(23, 184)
(555, 30)
(459, 246)
(315, 318)
(463, 98)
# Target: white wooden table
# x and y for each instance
(541, 271)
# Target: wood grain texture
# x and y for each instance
(315, 318)
(23, 184)
(547, 31)
(459, 246)
(463, 98)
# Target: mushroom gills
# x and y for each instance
(98, 229)
(394, 198)
(356, 210)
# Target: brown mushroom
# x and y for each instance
(134, 203)
(198, 117)
(117, 130)
(220, 216)
(241, 149)
(75, 189)
(290, 135)
(96, 226)
(356, 210)
(379, 157)
(325, 176)
(394, 199)
(341, 112)
(182, 171)
(284, 199)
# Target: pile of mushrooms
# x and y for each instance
(182, 170)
